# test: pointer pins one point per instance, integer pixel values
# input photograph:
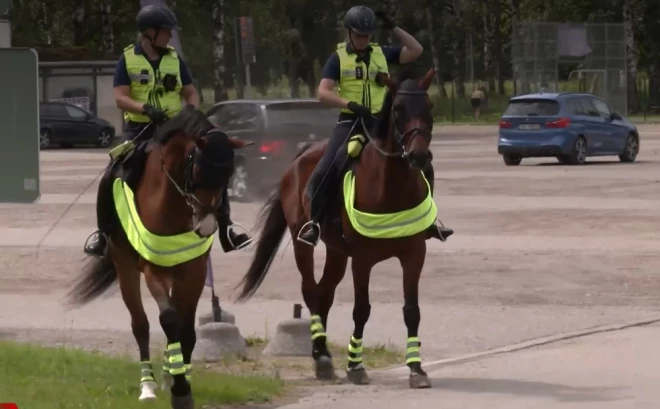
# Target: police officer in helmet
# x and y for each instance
(150, 81)
(353, 67)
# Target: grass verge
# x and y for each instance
(37, 377)
(293, 368)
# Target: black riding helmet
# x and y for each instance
(361, 20)
(156, 17)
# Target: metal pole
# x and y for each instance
(248, 82)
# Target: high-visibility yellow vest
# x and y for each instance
(357, 82)
(147, 87)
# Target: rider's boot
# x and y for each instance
(310, 232)
(229, 239)
(435, 231)
(97, 242)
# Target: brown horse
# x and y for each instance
(165, 230)
(395, 208)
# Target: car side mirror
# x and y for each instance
(615, 115)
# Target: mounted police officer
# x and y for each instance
(150, 81)
(353, 67)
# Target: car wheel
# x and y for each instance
(105, 139)
(240, 185)
(579, 154)
(45, 139)
(631, 150)
(512, 160)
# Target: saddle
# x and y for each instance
(127, 161)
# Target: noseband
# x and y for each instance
(399, 137)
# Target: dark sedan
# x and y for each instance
(66, 125)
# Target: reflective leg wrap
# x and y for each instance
(188, 371)
(146, 372)
(175, 359)
(316, 327)
(355, 353)
(412, 350)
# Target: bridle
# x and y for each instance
(399, 137)
(196, 157)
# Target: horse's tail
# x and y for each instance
(97, 277)
(274, 226)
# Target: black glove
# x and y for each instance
(156, 115)
(387, 23)
(360, 110)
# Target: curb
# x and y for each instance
(521, 345)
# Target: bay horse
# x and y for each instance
(387, 206)
(165, 230)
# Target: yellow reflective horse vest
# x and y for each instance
(147, 85)
(357, 81)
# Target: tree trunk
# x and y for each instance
(633, 95)
(78, 28)
(107, 33)
(217, 14)
(435, 52)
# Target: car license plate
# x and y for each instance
(529, 126)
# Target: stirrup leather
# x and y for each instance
(309, 223)
(231, 242)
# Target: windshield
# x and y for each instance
(296, 113)
(534, 107)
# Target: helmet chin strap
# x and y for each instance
(152, 42)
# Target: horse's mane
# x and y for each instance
(379, 130)
(189, 120)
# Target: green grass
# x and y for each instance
(51, 378)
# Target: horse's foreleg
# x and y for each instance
(311, 295)
(412, 264)
(169, 320)
(129, 284)
(356, 372)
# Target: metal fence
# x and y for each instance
(588, 57)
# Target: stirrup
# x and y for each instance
(231, 242)
(442, 238)
(101, 236)
(318, 228)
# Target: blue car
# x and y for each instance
(569, 126)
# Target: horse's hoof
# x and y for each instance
(324, 369)
(358, 376)
(168, 381)
(182, 402)
(419, 381)
(148, 390)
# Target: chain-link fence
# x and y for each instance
(556, 57)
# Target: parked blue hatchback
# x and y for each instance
(569, 126)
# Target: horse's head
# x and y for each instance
(411, 118)
(205, 169)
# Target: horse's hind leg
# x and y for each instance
(129, 284)
(311, 295)
(356, 373)
(412, 264)
(158, 285)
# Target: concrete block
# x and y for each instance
(217, 341)
(292, 338)
(225, 316)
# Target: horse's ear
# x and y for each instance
(425, 82)
(387, 80)
(239, 143)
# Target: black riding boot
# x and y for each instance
(310, 232)
(229, 240)
(97, 242)
(435, 231)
